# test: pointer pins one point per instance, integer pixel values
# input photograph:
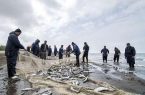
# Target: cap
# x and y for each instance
(18, 30)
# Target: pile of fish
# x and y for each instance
(67, 72)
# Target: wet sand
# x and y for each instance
(7, 86)
(126, 81)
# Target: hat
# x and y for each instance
(72, 43)
(128, 43)
(18, 30)
(37, 40)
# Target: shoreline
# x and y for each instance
(9, 87)
(130, 85)
(126, 81)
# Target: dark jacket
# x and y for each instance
(13, 45)
(35, 48)
(69, 49)
(117, 52)
(130, 51)
(60, 51)
(86, 49)
(105, 52)
(55, 51)
(44, 48)
(49, 51)
(76, 50)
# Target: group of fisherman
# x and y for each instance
(13, 45)
(130, 53)
(44, 50)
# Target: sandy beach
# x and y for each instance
(125, 82)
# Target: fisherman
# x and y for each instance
(68, 51)
(105, 53)
(11, 51)
(61, 52)
(49, 51)
(55, 50)
(130, 53)
(117, 54)
(44, 49)
(28, 48)
(77, 53)
(35, 48)
(86, 51)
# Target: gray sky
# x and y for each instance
(98, 22)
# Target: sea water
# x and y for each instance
(123, 65)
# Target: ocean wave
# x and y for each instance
(140, 59)
(140, 65)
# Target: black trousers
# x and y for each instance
(11, 66)
(77, 60)
(105, 58)
(49, 54)
(60, 56)
(55, 53)
(85, 55)
(131, 61)
(116, 57)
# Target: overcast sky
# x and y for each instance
(98, 22)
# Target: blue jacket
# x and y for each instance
(35, 48)
(76, 50)
(13, 45)
(60, 51)
(105, 52)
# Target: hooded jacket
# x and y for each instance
(130, 51)
(13, 45)
(76, 50)
(35, 48)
